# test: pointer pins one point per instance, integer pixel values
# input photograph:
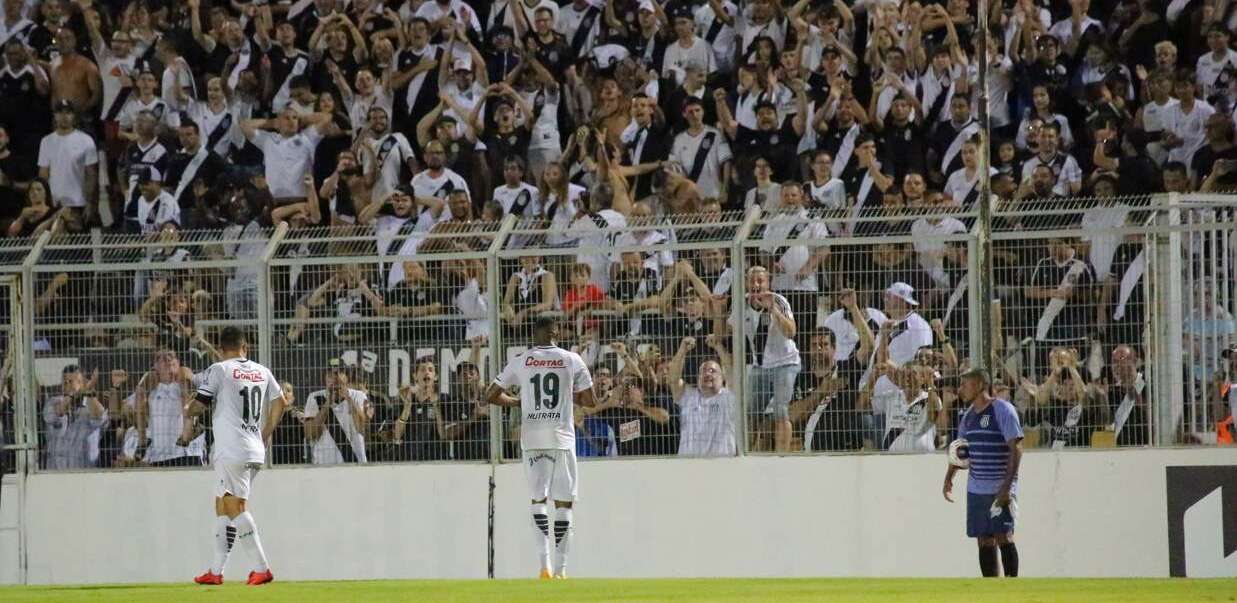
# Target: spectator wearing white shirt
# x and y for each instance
(963, 185)
(68, 161)
(176, 84)
(161, 397)
(150, 207)
(687, 48)
(1211, 66)
(707, 410)
(773, 358)
(116, 69)
(902, 333)
(145, 99)
(218, 118)
(1185, 123)
(702, 152)
(715, 22)
(288, 152)
(389, 153)
(795, 247)
(517, 196)
(462, 79)
(932, 252)
(1066, 175)
(361, 100)
(433, 185)
(442, 13)
(580, 22)
(1151, 116)
(336, 420)
(539, 88)
(73, 419)
(1078, 21)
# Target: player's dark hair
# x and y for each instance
(543, 325)
(232, 338)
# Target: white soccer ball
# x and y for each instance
(960, 454)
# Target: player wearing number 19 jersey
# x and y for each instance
(551, 381)
(246, 403)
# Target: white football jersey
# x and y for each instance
(239, 390)
(548, 377)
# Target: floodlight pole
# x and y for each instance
(984, 229)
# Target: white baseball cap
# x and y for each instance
(903, 292)
(463, 64)
(647, 5)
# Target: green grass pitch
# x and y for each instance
(1022, 590)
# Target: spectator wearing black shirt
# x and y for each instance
(770, 141)
(646, 140)
(837, 357)
(417, 294)
(340, 60)
(1219, 135)
(948, 137)
(1060, 297)
(1065, 408)
(1135, 172)
(1127, 398)
(502, 58)
(548, 46)
(509, 134)
(903, 144)
(192, 164)
(415, 80)
(24, 112)
(865, 178)
(1040, 64)
(416, 431)
(464, 419)
(640, 422)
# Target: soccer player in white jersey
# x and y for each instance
(248, 403)
(551, 381)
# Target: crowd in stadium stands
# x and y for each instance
(410, 117)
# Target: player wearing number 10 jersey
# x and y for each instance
(247, 403)
(551, 381)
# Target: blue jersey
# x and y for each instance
(988, 433)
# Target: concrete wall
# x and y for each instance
(1083, 513)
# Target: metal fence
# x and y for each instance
(760, 332)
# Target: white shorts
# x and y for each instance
(551, 474)
(235, 478)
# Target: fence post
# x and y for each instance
(1167, 330)
(974, 319)
(738, 338)
(265, 351)
(493, 284)
(25, 411)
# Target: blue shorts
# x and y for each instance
(979, 520)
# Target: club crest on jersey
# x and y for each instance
(983, 422)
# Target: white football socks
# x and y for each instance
(541, 526)
(247, 534)
(562, 538)
(224, 535)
